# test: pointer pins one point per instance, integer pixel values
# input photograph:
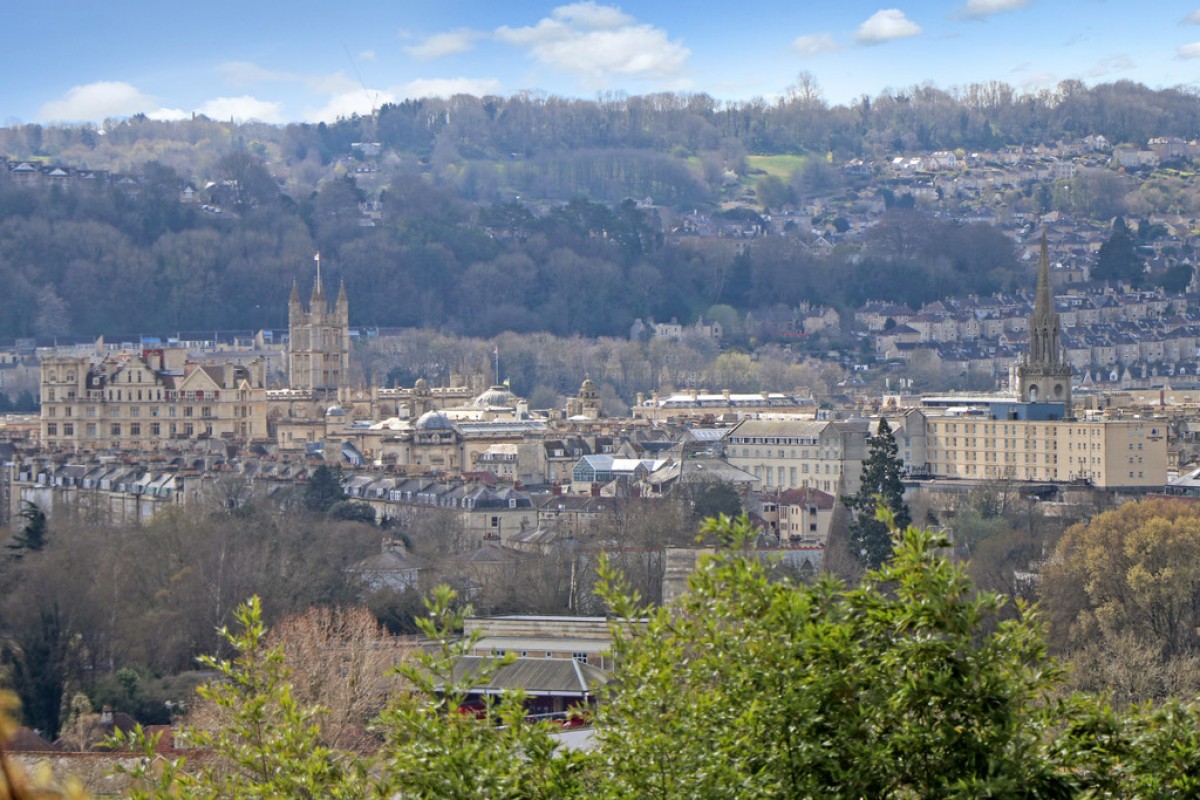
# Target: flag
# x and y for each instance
(507, 384)
(317, 256)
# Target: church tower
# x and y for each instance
(318, 340)
(1044, 375)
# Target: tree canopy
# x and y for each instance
(908, 685)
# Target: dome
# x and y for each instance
(588, 387)
(496, 396)
(335, 411)
(421, 386)
(434, 421)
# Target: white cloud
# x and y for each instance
(444, 44)
(984, 8)
(1039, 80)
(93, 102)
(592, 15)
(885, 25)
(448, 87)
(1192, 18)
(1114, 63)
(242, 109)
(595, 41)
(1189, 50)
(366, 55)
(168, 114)
(347, 104)
(363, 102)
(331, 84)
(245, 73)
(814, 44)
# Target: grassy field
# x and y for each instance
(781, 167)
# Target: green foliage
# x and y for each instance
(714, 498)
(352, 511)
(434, 751)
(880, 487)
(753, 688)
(1118, 259)
(324, 489)
(37, 663)
(32, 535)
(909, 685)
(269, 745)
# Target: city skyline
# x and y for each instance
(249, 62)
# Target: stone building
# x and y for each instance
(318, 341)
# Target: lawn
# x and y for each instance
(781, 167)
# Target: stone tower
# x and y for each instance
(319, 340)
(1044, 375)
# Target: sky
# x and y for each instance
(67, 61)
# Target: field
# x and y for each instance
(781, 167)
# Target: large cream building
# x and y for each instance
(786, 452)
(1034, 437)
(144, 400)
(1106, 453)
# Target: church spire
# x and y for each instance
(1045, 374)
(294, 300)
(318, 291)
(1044, 304)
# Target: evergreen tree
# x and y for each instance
(33, 535)
(324, 489)
(1118, 259)
(870, 538)
(36, 662)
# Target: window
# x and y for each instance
(155, 428)
(580, 657)
(52, 430)
(135, 429)
(115, 430)
(68, 429)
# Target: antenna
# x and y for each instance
(357, 74)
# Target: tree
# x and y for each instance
(1118, 259)
(37, 664)
(714, 498)
(881, 486)
(1133, 570)
(909, 685)
(32, 535)
(754, 688)
(324, 489)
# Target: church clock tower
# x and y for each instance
(1044, 375)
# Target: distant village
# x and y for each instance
(131, 427)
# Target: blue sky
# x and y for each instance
(303, 61)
